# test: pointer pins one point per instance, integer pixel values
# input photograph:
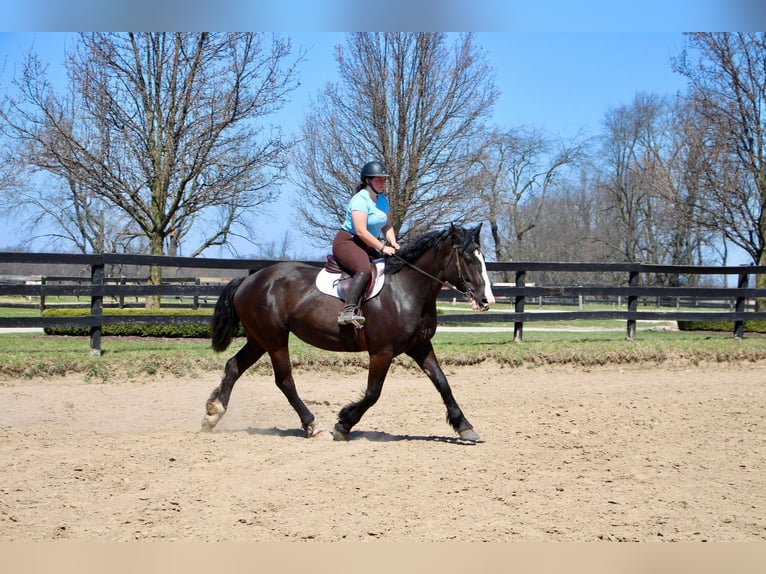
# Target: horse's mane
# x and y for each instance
(412, 251)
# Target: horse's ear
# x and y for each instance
(455, 233)
(476, 232)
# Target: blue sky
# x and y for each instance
(559, 81)
(402, 15)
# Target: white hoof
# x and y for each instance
(315, 430)
(469, 435)
(215, 411)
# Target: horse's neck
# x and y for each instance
(427, 274)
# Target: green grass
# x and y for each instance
(19, 312)
(586, 349)
(31, 355)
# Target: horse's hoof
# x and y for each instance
(314, 429)
(209, 422)
(213, 412)
(469, 435)
(339, 434)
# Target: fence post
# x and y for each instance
(739, 307)
(518, 307)
(122, 281)
(96, 306)
(195, 300)
(632, 306)
(42, 293)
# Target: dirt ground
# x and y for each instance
(620, 454)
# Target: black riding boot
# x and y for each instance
(354, 294)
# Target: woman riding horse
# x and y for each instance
(282, 299)
(357, 241)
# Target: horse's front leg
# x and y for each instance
(424, 356)
(353, 412)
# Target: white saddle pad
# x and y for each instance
(328, 282)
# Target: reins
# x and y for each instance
(443, 283)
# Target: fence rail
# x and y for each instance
(97, 287)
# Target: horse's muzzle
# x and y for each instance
(478, 305)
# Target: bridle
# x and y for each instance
(467, 294)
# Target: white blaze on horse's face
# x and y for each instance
(488, 295)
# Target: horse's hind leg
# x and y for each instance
(280, 360)
(219, 399)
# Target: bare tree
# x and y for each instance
(70, 216)
(644, 187)
(567, 230)
(9, 168)
(164, 128)
(688, 242)
(727, 93)
(7, 172)
(623, 192)
(411, 101)
(516, 173)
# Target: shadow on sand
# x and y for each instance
(371, 436)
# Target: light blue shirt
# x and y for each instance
(377, 212)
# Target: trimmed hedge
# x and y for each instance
(723, 326)
(169, 330)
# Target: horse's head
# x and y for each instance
(469, 272)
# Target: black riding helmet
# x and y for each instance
(373, 169)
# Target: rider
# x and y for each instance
(357, 242)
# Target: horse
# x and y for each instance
(282, 298)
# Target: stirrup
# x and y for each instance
(349, 317)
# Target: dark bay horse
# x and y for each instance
(282, 298)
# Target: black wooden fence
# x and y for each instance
(632, 292)
(97, 288)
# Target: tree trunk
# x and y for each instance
(760, 283)
(155, 271)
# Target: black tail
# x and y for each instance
(225, 321)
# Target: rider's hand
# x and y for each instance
(388, 250)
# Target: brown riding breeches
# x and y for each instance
(353, 254)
